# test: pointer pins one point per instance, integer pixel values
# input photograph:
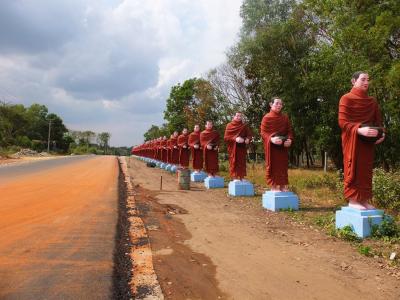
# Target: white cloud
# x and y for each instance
(109, 65)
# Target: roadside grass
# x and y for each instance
(6, 152)
(321, 194)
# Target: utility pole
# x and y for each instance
(48, 138)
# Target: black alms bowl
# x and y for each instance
(283, 138)
(371, 139)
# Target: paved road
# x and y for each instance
(57, 228)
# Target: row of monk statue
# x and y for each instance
(359, 119)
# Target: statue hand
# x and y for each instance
(209, 147)
(287, 143)
(196, 146)
(275, 140)
(239, 140)
(380, 140)
(247, 140)
(184, 146)
(367, 131)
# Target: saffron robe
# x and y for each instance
(276, 156)
(164, 151)
(210, 157)
(158, 150)
(174, 151)
(197, 154)
(184, 153)
(356, 108)
(237, 151)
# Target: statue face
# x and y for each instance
(238, 117)
(277, 105)
(196, 128)
(209, 125)
(175, 134)
(362, 82)
(184, 131)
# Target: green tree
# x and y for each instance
(102, 139)
(57, 130)
(155, 132)
(191, 103)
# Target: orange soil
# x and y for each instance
(57, 231)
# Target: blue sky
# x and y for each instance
(109, 65)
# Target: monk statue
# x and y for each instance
(159, 149)
(276, 132)
(237, 136)
(184, 152)
(209, 140)
(164, 150)
(196, 149)
(174, 150)
(361, 123)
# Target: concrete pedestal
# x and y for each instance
(277, 201)
(360, 221)
(213, 182)
(240, 188)
(198, 176)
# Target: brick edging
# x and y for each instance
(144, 283)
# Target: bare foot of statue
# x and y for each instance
(284, 188)
(356, 205)
(275, 188)
(368, 206)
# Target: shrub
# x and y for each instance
(386, 189)
(388, 228)
(365, 250)
(23, 141)
(223, 166)
(346, 233)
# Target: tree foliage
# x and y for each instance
(188, 104)
(29, 127)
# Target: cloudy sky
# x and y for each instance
(108, 65)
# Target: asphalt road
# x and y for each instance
(57, 228)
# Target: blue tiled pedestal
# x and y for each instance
(359, 220)
(198, 176)
(240, 188)
(214, 182)
(277, 201)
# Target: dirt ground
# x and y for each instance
(207, 245)
(57, 231)
(8, 161)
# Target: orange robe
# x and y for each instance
(197, 154)
(210, 157)
(164, 152)
(356, 108)
(158, 150)
(174, 151)
(276, 157)
(237, 151)
(184, 153)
